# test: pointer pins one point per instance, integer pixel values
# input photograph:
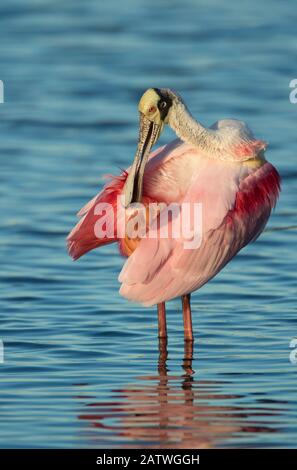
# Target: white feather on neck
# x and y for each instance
(221, 141)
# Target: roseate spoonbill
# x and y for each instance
(222, 167)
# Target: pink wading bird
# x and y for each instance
(222, 167)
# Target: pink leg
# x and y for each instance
(163, 353)
(188, 357)
(188, 328)
(162, 320)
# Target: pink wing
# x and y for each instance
(236, 203)
(235, 209)
(82, 237)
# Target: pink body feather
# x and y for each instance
(237, 199)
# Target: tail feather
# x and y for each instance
(82, 237)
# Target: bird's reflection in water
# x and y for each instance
(172, 411)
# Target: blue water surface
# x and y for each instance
(81, 364)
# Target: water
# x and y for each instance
(82, 365)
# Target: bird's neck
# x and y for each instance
(193, 132)
(229, 143)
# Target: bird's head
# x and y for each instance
(154, 107)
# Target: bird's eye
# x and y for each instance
(163, 105)
(152, 109)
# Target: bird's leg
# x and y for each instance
(188, 357)
(162, 320)
(188, 328)
(163, 354)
